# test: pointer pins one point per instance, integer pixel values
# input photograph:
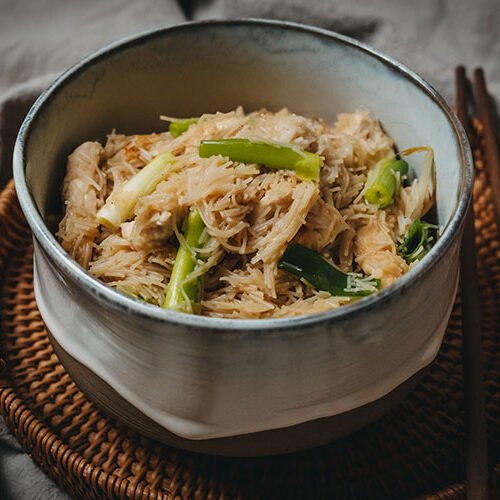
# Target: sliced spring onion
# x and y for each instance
(120, 204)
(269, 153)
(310, 267)
(382, 190)
(179, 125)
(183, 295)
(417, 241)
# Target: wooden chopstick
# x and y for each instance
(490, 139)
(476, 441)
(462, 91)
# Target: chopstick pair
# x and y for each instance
(492, 148)
(476, 445)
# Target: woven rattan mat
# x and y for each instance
(415, 450)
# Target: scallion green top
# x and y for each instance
(309, 266)
(417, 242)
(179, 125)
(268, 153)
(182, 295)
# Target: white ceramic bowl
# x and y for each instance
(217, 384)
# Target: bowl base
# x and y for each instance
(272, 442)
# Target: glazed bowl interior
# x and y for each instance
(217, 66)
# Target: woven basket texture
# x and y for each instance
(417, 450)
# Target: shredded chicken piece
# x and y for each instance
(323, 224)
(82, 192)
(375, 252)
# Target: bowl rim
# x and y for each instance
(124, 304)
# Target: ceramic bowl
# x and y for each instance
(240, 387)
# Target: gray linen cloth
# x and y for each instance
(41, 38)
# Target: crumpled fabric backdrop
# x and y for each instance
(39, 39)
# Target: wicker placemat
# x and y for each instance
(415, 450)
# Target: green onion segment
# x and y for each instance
(417, 241)
(386, 184)
(310, 267)
(178, 126)
(182, 295)
(268, 153)
(119, 206)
